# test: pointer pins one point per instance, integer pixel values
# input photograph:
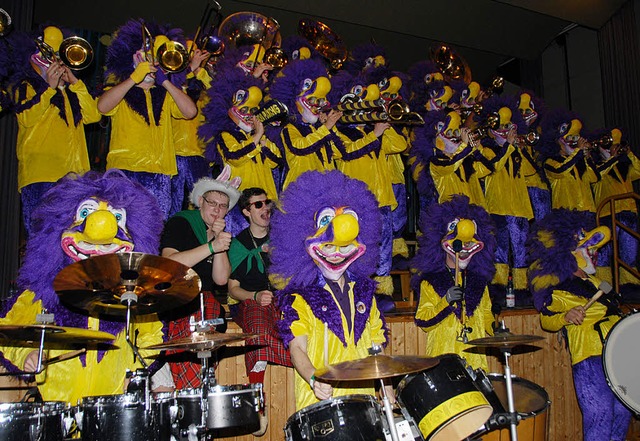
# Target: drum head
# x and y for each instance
(529, 398)
(621, 361)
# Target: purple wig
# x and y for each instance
(295, 221)
(492, 105)
(361, 57)
(292, 44)
(418, 87)
(288, 84)
(549, 248)
(44, 256)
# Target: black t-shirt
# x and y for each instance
(179, 235)
(254, 280)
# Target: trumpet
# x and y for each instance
(172, 57)
(75, 52)
(604, 142)
(393, 112)
(531, 138)
(492, 122)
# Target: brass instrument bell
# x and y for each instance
(275, 56)
(76, 53)
(172, 57)
(206, 36)
(492, 123)
(247, 28)
(325, 41)
(452, 65)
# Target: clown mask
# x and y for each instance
(245, 105)
(569, 136)
(505, 124)
(51, 39)
(469, 95)
(334, 246)
(98, 228)
(527, 109)
(460, 243)
(313, 98)
(251, 58)
(448, 133)
(439, 98)
(390, 88)
(587, 250)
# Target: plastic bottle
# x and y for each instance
(511, 295)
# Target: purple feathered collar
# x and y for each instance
(137, 100)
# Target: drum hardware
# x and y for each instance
(505, 341)
(126, 283)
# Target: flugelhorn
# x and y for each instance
(75, 52)
(5, 22)
(530, 138)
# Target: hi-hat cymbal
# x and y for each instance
(53, 334)
(202, 341)
(505, 340)
(375, 366)
(97, 284)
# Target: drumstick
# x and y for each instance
(603, 288)
(63, 357)
(457, 247)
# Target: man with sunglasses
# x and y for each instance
(250, 300)
(197, 238)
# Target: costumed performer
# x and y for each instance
(80, 217)
(453, 312)
(302, 86)
(52, 107)
(324, 248)
(141, 100)
(197, 238)
(562, 249)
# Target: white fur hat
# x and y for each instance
(223, 183)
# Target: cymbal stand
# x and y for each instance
(513, 416)
(388, 411)
(42, 319)
(130, 298)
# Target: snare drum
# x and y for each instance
(531, 402)
(117, 418)
(234, 406)
(621, 361)
(347, 418)
(33, 421)
(443, 401)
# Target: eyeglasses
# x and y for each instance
(259, 204)
(214, 204)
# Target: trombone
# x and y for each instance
(5, 22)
(206, 36)
(172, 56)
(393, 112)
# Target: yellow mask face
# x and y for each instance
(616, 135)
(53, 37)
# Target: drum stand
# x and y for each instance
(139, 380)
(513, 416)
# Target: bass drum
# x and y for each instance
(347, 418)
(33, 421)
(621, 361)
(531, 402)
(443, 401)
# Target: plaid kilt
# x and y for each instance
(256, 319)
(186, 372)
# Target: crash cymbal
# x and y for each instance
(97, 284)
(505, 340)
(53, 334)
(375, 366)
(202, 341)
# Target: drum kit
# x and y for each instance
(440, 398)
(120, 286)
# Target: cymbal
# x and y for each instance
(202, 341)
(375, 366)
(505, 340)
(53, 334)
(97, 284)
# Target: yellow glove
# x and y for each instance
(141, 71)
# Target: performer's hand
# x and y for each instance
(54, 74)
(216, 228)
(258, 129)
(323, 391)
(68, 75)
(454, 294)
(332, 118)
(467, 137)
(31, 362)
(262, 71)
(141, 71)
(511, 135)
(264, 297)
(198, 57)
(380, 127)
(222, 242)
(161, 77)
(575, 316)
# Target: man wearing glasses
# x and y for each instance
(196, 238)
(250, 300)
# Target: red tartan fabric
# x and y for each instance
(256, 319)
(186, 374)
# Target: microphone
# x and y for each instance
(603, 288)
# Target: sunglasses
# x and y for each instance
(259, 204)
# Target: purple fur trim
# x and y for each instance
(137, 101)
(553, 257)
(294, 222)
(56, 213)
(434, 222)
(359, 55)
